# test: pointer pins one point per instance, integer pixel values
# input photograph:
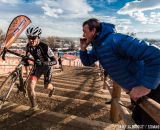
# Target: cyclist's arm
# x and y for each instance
(50, 54)
(28, 55)
(52, 62)
(27, 50)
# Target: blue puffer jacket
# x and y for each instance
(130, 62)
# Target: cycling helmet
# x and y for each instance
(33, 31)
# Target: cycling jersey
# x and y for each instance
(43, 53)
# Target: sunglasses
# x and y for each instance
(32, 37)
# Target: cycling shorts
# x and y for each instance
(42, 70)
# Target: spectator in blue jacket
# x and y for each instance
(133, 64)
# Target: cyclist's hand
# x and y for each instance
(50, 63)
(45, 63)
(38, 62)
(26, 63)
(25, 60)
(25, 57)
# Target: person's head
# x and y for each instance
(33, 34)
(90, 28)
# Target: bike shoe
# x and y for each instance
(51, 92)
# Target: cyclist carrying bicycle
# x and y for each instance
(44, 60)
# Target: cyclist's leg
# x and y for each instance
(47, 80)
(32, 96)
(51, 88)
(36, 73)
(31, 90)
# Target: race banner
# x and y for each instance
(16, 27)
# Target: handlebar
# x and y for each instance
(5, 50)
(4, 53)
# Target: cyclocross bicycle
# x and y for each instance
(8, 84)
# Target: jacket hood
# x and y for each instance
(106, 28)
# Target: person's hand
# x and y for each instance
(138, 92)
(45, 63)
(83, 44)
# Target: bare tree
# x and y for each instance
(131, 34)
(153, 41)
(51, 42)
(72, 45)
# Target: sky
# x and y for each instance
(64, 18)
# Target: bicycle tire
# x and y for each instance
(1, 104)
(7, 85)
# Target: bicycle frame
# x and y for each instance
(14, 75)
(19, 72)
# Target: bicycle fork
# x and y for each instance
(5, 97)
(10, 89)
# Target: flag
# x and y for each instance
(16, 27)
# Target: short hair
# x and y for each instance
(93, 23)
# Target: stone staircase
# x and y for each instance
(77, 104)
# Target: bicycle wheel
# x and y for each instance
(7, 86)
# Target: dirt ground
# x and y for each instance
(79, 102)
